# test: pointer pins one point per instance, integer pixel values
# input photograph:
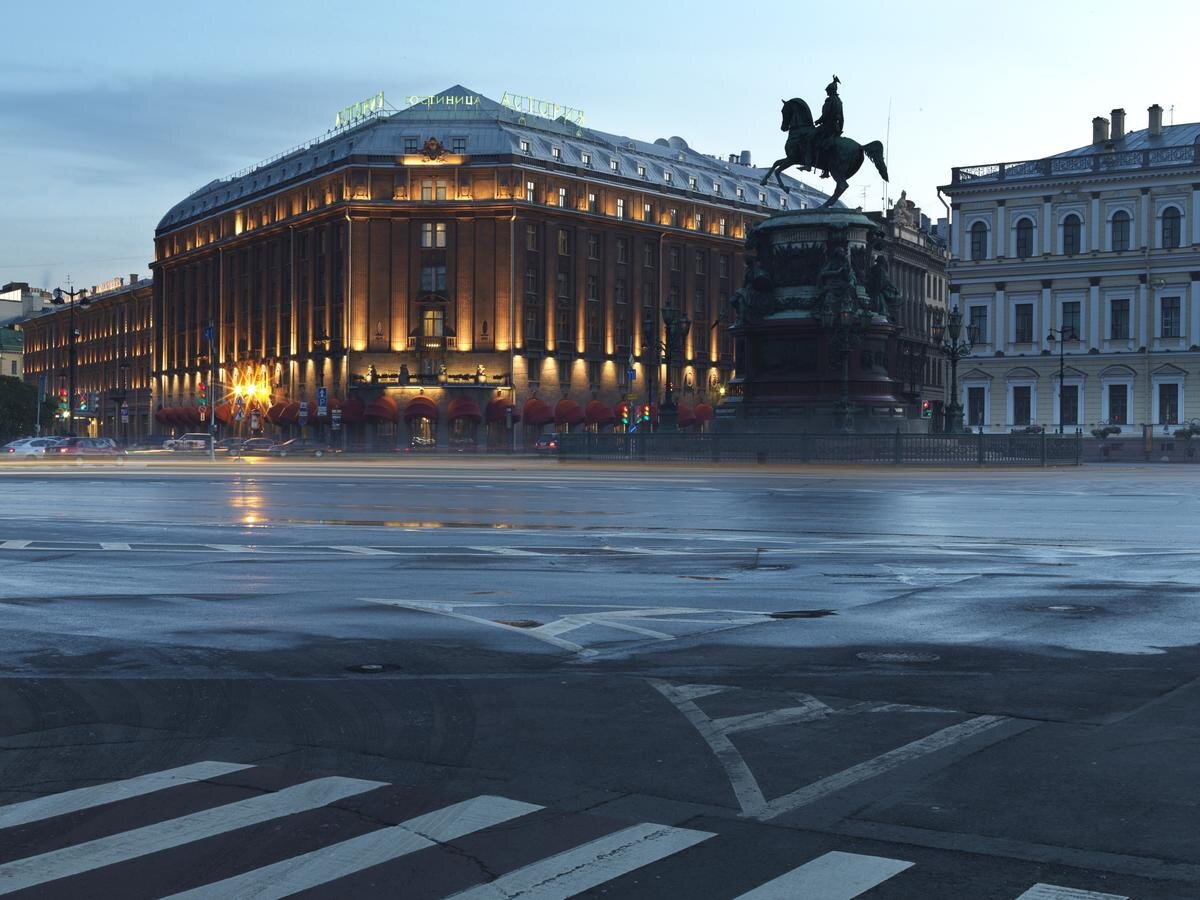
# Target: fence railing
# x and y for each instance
(881, 449)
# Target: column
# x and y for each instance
(1047, 318)
(1144, 318)
(1094, 314)
(1195, 214)
(1048, 228)
(1096, 231)
(956, 231)
(1194, 312)
(1000, 317)
(1000, 241)
(1144, 230)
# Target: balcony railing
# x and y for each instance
(433, 342)
(1066, 166)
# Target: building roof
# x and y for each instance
(11, 340)
(494, 131)
(1171, 136)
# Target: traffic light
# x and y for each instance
(62, 400)
(202, 389)
(645, 413)
(625, 414)
(83, 401)
(926, 409)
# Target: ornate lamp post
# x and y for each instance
(69, 296)
(950, 340)
(1064, 335)
(672, 350)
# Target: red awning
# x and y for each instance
(161, 416)
(597, 413)
(420, 407)
(464, 408)
(274, 411)
(353, 411)
(686, 417)
(382, 409)
(497, 411)
(290, 414)
(567, 412)
(537, 412)
(224, 413)
(704, 413)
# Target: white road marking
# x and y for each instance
(14, 545)
(232, 548)
(745, 786)
(363, 551)
(114, 545)
(885, 762)
(505, 551)
(318, 867)
(1053, 892)
(105, 851)
(85, 798)
(834, 876)
(809, 710)
(574, 871)
(696, 691)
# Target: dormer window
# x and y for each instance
(692, 184)
(586, 158)
(556, 152)
(667, 177)
(716, 187)
(614, 165)
(762, 197)
(524, 146)
(641, 170)
(741, 193)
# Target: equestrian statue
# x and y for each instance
(820, 144)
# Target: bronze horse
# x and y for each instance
(842, 157)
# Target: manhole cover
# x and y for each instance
(902, 657)
(1063, 607)
(520, 623)
(803, 614)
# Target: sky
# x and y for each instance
(111, 113)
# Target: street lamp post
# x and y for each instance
(671, 350)
(949, 338)
(60, 297)
(1066, 333)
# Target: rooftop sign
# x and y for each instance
(360, 110)
(442, 100)
(547, 109)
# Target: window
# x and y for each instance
(1170, 317)
(433, 234)
(620, 292)
(1168, 404)
(648, 255)
(458, 145)
(1119, 320)
(721, 227)
(1068, 404)
(979, 241)
(699, 221)
(1023, 333)
(585, 158)
(716, 187)
(641, 170)
(673, 259)
(673, 297)
(692, 183)
(433, 279)
(620, 208)
(592, 288)
(556, 152)
(524, 146)
(591, 332)
(1071, 232)
(1070, 320)
(762, 197)
(1118, 404)
(976, 397)
(1170, 227)
(723, 266)
(530, 189)
(1024, 238)
(1022, 403)
(1120, 230)
(531, 236)
(667, 177)
(593, 246)
(673, 218)
(783, 203)
(978, 316)
(701, 263)
(622, 250)
(410, 144)
(614, 165)
(531, 282)
(564, 242)
(741, 193)
(591, 203)
(647, 212)
(433, 323)
(562, 197)
(427, 189)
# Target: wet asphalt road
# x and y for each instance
(990, 673)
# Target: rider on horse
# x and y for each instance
(829, 126)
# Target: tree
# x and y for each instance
(18, 409)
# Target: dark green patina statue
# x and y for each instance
(821, 144)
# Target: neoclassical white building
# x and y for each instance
(1102, 243)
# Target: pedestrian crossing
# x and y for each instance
(216, 830)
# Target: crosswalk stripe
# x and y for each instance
(319, 867)
(834, 876)
(105, 851)
(1054, 892)
(573, 871)
(85, 798)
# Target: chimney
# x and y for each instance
(1099, 130)
(133, 279)
(1118, 124)
(745, 157)
(1155, 119)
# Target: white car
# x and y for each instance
(197, 440)
(29, 448)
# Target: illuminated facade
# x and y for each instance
(433, 267)
(115, 335)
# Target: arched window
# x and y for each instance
(1071, 230)
(1120, 230)
(979, 241)
(1024, 238)
(1170, 227)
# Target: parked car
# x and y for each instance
(259, 446)
(192, 442)
(302, 447)
(230, 444)
(420, 444)
(546, 443)
(80, 447)
(30, 447)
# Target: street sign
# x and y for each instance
(208, 333)
(303, 417)
(322, 402)
(239, 408)
(124, 413)
(336, 418)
